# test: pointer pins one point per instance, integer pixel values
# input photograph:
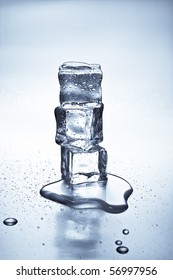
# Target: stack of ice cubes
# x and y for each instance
(79, 123)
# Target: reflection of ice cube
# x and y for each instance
(78, 166)
(79, 126)
(80, 83)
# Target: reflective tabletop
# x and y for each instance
(132, 42)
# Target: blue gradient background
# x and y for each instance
(132, 40)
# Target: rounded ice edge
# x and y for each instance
(110, 196)
(78, 67)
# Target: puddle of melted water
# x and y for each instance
(110, 196)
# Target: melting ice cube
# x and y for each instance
(80, 83)
(79, 125)
(78, 166)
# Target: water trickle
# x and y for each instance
(122, 250)
(125, 231)
(10, 221)
(118, 242)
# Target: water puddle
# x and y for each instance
(110, 196)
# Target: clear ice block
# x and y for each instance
(84, 182)
(78, 166)
(79, 125)
(80, 83)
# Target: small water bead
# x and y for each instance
(10, 221)
(122, 250)
(125, 231)
(118, 242)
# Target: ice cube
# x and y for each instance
(79, 125)
(80, 83)
(78, 166)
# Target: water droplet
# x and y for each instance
(125, 231)
(122, 250)
(118, 242)
(10, 222)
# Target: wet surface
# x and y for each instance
(48, 230)
(134, 48)
(111, 196)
